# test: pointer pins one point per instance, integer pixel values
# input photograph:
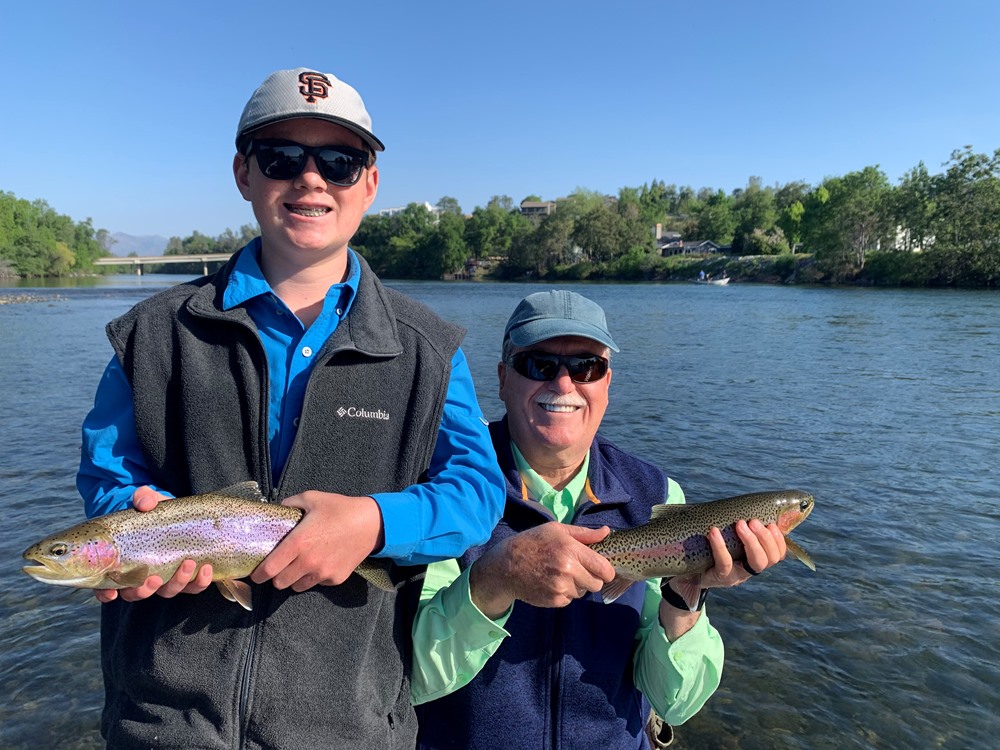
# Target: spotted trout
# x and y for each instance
(232, 529)
(674, 542)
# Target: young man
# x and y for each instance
(560, 668)
(294, 367)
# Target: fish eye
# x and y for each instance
(59, 549)
(804, 505)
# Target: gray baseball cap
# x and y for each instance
(545, 315)
(290, 94)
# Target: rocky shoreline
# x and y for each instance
(19, 299)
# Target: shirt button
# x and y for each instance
(340, 311)
(307, 351)
(295, 421)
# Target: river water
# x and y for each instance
(884, 404)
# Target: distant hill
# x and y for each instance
(126, 244)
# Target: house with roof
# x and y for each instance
(537, 210)
(690, 247)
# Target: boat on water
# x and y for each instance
(716, 282)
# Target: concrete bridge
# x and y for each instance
(140, 260)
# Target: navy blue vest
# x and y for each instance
(563, 679)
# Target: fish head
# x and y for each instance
(81, 557)
(793, 507)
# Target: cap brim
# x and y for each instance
(369, 138)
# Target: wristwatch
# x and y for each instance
(675, 600)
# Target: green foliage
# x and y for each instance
(848, 217)
(762, 242)
(200, 244)
(930, 230)
(490, 231)
(717, 219)
(35, 241)
(754, 209)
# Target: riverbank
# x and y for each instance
(799, 268)
(20, 299)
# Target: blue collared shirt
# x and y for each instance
(436, 520)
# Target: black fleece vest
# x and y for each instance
(322, 669)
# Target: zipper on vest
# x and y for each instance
(243, 712)
(554, 691)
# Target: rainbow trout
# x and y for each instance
(674, 542)
(232, 529)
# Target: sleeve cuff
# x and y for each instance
(400, 512)
(478, 630)
(686, 655)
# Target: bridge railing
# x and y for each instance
(147, 260)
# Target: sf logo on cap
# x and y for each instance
(314, 86)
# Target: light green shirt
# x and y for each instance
(453, 639)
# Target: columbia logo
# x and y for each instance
(355, 412)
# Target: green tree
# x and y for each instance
(913, 205)
(855, 221)
(772, 242)
(599, 232)
(546, 246)
(449, 205)
(754, 208)
(716, 219)
(636, 230)
(388, 243)
(440, 251)
(491, 231)
(966, 221)
(968, 200)
(36, 240)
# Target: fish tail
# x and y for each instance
(376, 572)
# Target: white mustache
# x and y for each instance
(560, 399)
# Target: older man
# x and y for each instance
(561, 668)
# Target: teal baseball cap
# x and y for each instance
(545, 315)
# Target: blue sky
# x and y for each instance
(125, 112)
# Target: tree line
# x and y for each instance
(940, 229)
(36, 241)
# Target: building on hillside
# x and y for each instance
(907, 241)
(664, 239)
(537, 210)
(690, 247)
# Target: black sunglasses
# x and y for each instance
(543, 366)
(285, 160)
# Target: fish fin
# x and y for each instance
(135, 577)
(243, 491)
(376, 572)
(800, 554)
(664, 509)
(618, 586)
(236, 591)
(690, 591)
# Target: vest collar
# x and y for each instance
(370, 328)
